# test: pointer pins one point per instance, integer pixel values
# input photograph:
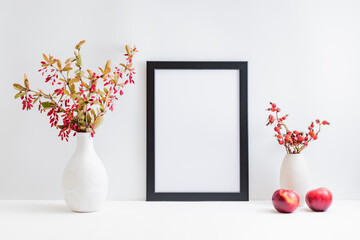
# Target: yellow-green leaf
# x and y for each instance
(81, 103)
(127, 49)
(116, 77)
(58, 63)
(84, 84)
(108, 64)
(69, 60)
(47, 105)
(72, 88)
(19, 87)
(26, 81)
(98, 122)
(67, 69)
(80, 115)
(20, 94)
(107, 71)
(36, 99)
(74, 80)
(79, 60)
(88, 117)
(100, 92)
(74, 96)
(93, 113)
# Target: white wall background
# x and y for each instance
(304, 55)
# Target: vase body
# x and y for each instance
(294, 175)
(85, 181)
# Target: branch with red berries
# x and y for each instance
(294, 141)
(81, 98)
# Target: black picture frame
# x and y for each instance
(243, 194)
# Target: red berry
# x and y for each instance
(279, 125)
(325, 123)
(273, 109)
(296, 132)
(273, 105)
(306, 143)
(317, 121)
(279, 136)
(281, 142)
(289, 132)
(315, 137)
(276, 129)
(278, 109)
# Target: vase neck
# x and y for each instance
(84, 142)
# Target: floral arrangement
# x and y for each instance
(81, 98)
(294, 141)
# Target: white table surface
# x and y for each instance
(51, 220)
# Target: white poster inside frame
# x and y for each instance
(197, 121)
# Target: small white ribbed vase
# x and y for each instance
(294, 175)
(85, 181)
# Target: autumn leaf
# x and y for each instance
(72, 88)
(74, 96)
(66, 69)
(108, 64)
(74, 80)
(26, 81)
(93, 113)
(47, 105)
(19, 87)
(20, 94)
(58, 63)
(78, 46)
(98, 122)
(45, 58)
(69, 60)
(36, 100)
(84, 84)
(79, 62)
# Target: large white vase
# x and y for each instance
(85, 181)
(294, 175)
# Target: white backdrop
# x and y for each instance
(303, 55)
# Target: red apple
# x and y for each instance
(319, 199)
(285, 201)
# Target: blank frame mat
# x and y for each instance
(197, 131)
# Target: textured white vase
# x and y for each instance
(85, 182)
(294, 175)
